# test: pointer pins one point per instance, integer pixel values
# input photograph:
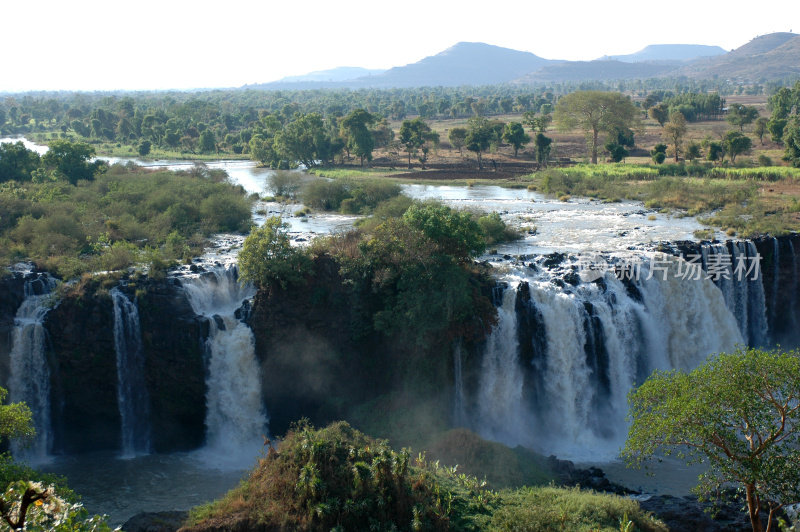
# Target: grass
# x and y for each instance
(350, 173)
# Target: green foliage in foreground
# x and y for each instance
(28, 504)
(739, 413)
(125, 216)
(336, 478)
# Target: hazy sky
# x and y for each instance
(88, 45)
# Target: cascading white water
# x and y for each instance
(600, 340)
(235, 417)
(29, 378)
(500, 395)
(132, 396)
(735, 268)
(459, 412)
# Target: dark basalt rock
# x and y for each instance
(173, 339)
(83, 371)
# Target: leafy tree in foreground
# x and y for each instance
(739, 413)
(34, 506)
(593, 112)
(268, 259)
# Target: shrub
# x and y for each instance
(336, 478)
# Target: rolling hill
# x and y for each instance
(668, 52)
(772, 56)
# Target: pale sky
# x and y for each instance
(165, 44)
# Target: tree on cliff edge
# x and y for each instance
(738, 413)
(268, 259)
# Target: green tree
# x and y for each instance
(15, 419)
(736, 143)
(659, 113)
(716, 152)
(739, 413)
(17, 162)
(543, 145)
(595, 112)
(792, 142)
(71, 159)
(760, 129)
(659, 153)
(776, 127)
(458, 138)
(514, 134)
(479, 137)
(693, 151)
(268, 259)
(741, 115)
(413, 135)
(456, 232)
(207, 142)
(536, 122)
(144, 148)
(675, 130)
(359, 138)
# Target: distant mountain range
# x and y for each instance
(772, 56)
(333, 74)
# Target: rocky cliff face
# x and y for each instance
(173, 339)
(82, 357)
(83, 371)
(12, 293)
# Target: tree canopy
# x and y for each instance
(71, 159)
(739, 413)
(595, 112)
(268, 259)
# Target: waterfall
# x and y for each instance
(459, 412)
(735, 269)
(500, 383)
(132, 394)
(599, 339)
(776, 274)
(29, 378)
(235, 416)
